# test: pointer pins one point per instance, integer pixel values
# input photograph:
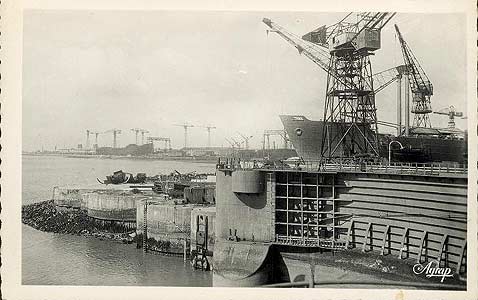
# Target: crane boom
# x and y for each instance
(386, 77)
(319, 56)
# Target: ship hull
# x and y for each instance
(416, 148)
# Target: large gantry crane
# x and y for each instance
(115, 135)
(185, 126)
(343, 51)
(208, 128)
(96, 133)
(166, 140)
(266, 143)
(422, 88)
(137, 131)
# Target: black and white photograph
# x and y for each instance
(320, 149)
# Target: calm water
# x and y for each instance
(75, 260)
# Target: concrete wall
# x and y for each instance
(200, 194)
(210, 213)
(165, 221)
(69, 198)
(109, 205)
(248, 214)
(248, 181)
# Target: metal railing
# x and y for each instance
(398, 168)
(429, 169)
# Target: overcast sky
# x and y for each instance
(100, 70)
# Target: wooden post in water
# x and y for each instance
(145, 226)
(184, 249)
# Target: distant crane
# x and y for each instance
(233, 145)
(238, 145)
(137, 131)
(271, 132)
(143, 131)
(421, 86)
(451, 113)
(246, 139)
(87, 139)
(88, 133)
(167, 141)
(185, 126)
(115, 133)
(208, 127)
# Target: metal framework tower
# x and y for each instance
(96, 133)
(167, 141)
(136, 131)
(208, 128)
(422, 88)
(343, 50)
(143, 131)
(266, 144)
(185, 126)
(451, 113)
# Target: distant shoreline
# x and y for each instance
(185, 159)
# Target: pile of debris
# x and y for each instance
(120, 177)
(44, 216)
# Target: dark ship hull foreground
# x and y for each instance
(421, 146)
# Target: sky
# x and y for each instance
(100, 70)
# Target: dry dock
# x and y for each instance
(409, 212)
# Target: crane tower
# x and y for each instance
(185, 126)
(115, 135)
(208, 128)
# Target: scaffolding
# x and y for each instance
(305, 210)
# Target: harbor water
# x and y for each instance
(58, 259)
